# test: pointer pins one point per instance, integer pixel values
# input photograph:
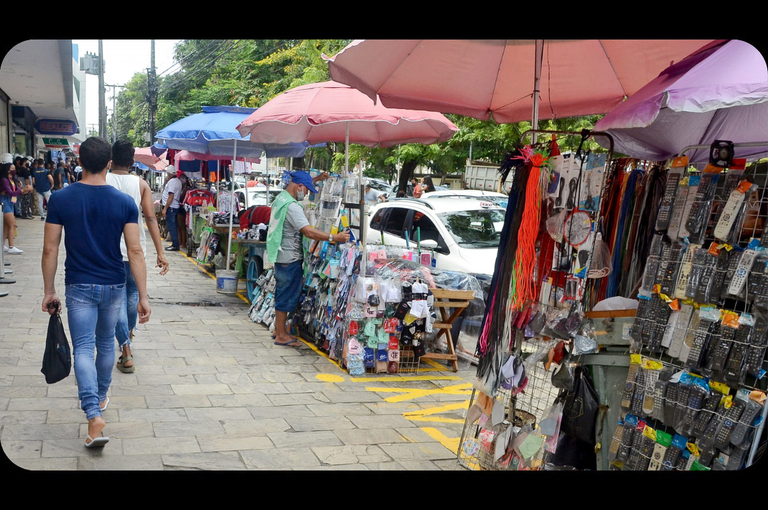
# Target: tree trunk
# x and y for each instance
(405, 175)
(298, 163)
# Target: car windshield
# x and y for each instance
(475, 229)
(260, 197)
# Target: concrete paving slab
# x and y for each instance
(211, 391)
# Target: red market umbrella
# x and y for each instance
(145, 156)
(197, 156)
(334, 112)
(507, 79)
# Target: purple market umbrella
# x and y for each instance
(720, 93)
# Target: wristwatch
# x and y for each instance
(330, 238)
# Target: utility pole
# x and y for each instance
(114, 109)
(152, 93)
(102, 91)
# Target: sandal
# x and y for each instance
(97, 442)
(121, 365)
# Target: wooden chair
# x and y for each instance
(445, 300)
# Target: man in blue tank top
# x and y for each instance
(95, 216)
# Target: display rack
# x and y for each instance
(491, 444)
(672, 352)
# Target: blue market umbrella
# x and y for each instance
(214, 131)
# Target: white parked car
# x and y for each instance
(464, 234)
(499, 199)
(256, 195)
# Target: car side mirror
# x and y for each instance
(429, 244)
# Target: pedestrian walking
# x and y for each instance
(170, 203)
(9, 194)
(43, 185)
(93, 216)
(120, 177)
(24, 181)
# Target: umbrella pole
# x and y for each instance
(346, 151)
(536, 85)
(231, 206)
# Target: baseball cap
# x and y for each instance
(301, 177)
(170, 169)
(6, 158)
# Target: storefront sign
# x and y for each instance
(56, 127)
(56, 143)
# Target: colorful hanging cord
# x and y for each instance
(523, 288)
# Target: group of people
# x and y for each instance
(98, 216)
(26, 185)
(415, 189)
(418, 188)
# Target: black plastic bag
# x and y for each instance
(580, 407)
(57, 359)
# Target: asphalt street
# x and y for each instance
(212, 392)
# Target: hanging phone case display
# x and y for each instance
(209, 246)
(262, 309)
(529, 380)
(695, 391)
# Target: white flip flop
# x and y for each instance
(99, 442)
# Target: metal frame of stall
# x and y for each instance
(540, 393)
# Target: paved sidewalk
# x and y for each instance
(212, 392)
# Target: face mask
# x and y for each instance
(300, 195)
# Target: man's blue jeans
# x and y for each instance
(92, 312)
(171, 222)
(126, 322)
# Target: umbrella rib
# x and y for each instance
(624, 92)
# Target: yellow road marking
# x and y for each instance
(411, 393)
(450, 443)
(329, 378)
(424, 414)
(395, 378)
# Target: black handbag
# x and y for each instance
(580, 407)
(57, 359)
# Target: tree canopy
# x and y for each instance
(250, 72)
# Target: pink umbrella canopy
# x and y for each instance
(484, 78)
(328, 111)
(145, 156)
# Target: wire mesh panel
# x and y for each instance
(528, 407)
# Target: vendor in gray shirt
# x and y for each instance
(287, 226)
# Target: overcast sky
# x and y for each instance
(122, 59)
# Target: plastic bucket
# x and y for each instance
(226, 282)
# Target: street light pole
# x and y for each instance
(152, 93)
(114, 110)
(102, 90)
